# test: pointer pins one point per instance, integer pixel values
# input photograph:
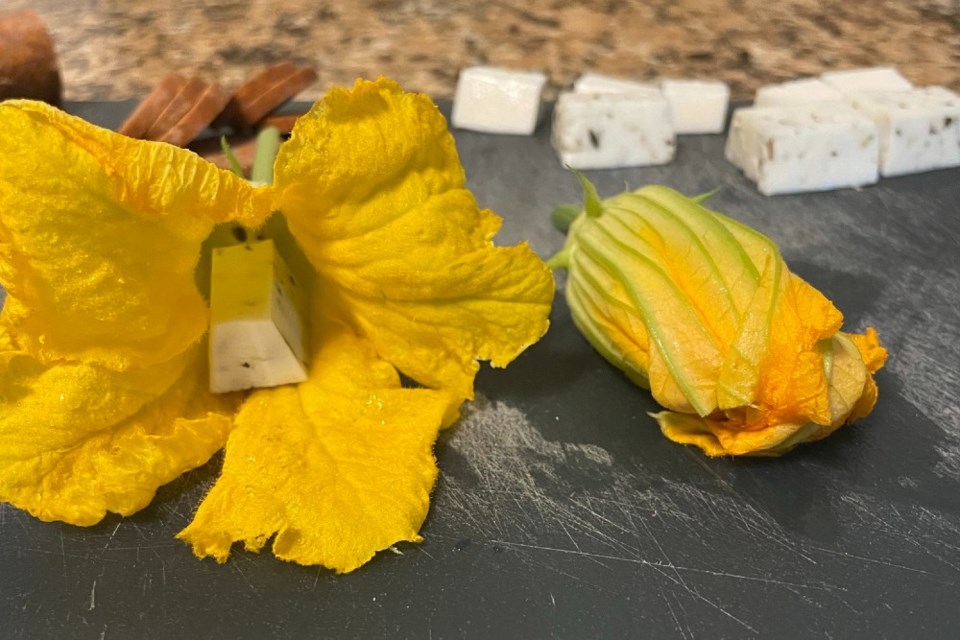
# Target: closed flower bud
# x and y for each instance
(744, 356)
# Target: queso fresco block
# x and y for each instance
(796, 92)
(609, 130)
(919, 129)
(494, 100)
(804, 148)
(697, 106)
(871, 79)
(598, 83)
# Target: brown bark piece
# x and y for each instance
(28, 62)
(181, 104)
(206, 108)
(150, 108)
(266, 91)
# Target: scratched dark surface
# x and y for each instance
(562, 512)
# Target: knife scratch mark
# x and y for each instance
(63, 554)
(112, 535)
(673, 614)
(658, 564)
(236, 567)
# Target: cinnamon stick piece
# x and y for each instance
(208, 105)
(150, 108)
(28, 62)
(265, 92)
(179, 106)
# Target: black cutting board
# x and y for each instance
(561, 511)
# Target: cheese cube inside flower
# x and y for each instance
(608, 130)
(498, 100)
(257, 336)
(804, 148)
(919, 129)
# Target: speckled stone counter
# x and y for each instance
(111, 49)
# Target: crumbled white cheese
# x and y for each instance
(919, 129)
(796, 92)
(804, 148)
(697, 106)
(608, 130)
(496, 100)
(598, 83)
(872, 79)
(257, 319)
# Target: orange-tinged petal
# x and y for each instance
(100, 235)
(874, 357)
(78, 440)
(729, 438)
(373, 190)
(338, 467)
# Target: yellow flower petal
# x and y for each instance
(78, 440)
(99, 237)
(338, 467)
(373, 190)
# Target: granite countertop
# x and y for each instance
(111, 49)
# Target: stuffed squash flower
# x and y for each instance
(745, 357)
(103, 367)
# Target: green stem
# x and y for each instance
(564, 215)
(591, 199)
(268, 143)
(231, 157)
(703, 197)
(560, 260)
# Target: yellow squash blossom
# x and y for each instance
(746, 358)
(103, 366)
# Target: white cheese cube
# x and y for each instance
(796, 92)
(804, 148)
(872, 79)
(496, 100)
(697, 106)
(608, 130)
(599, 83)
(257, 319)
(919, 129)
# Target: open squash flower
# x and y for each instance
(103, 364)
(746, 358)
